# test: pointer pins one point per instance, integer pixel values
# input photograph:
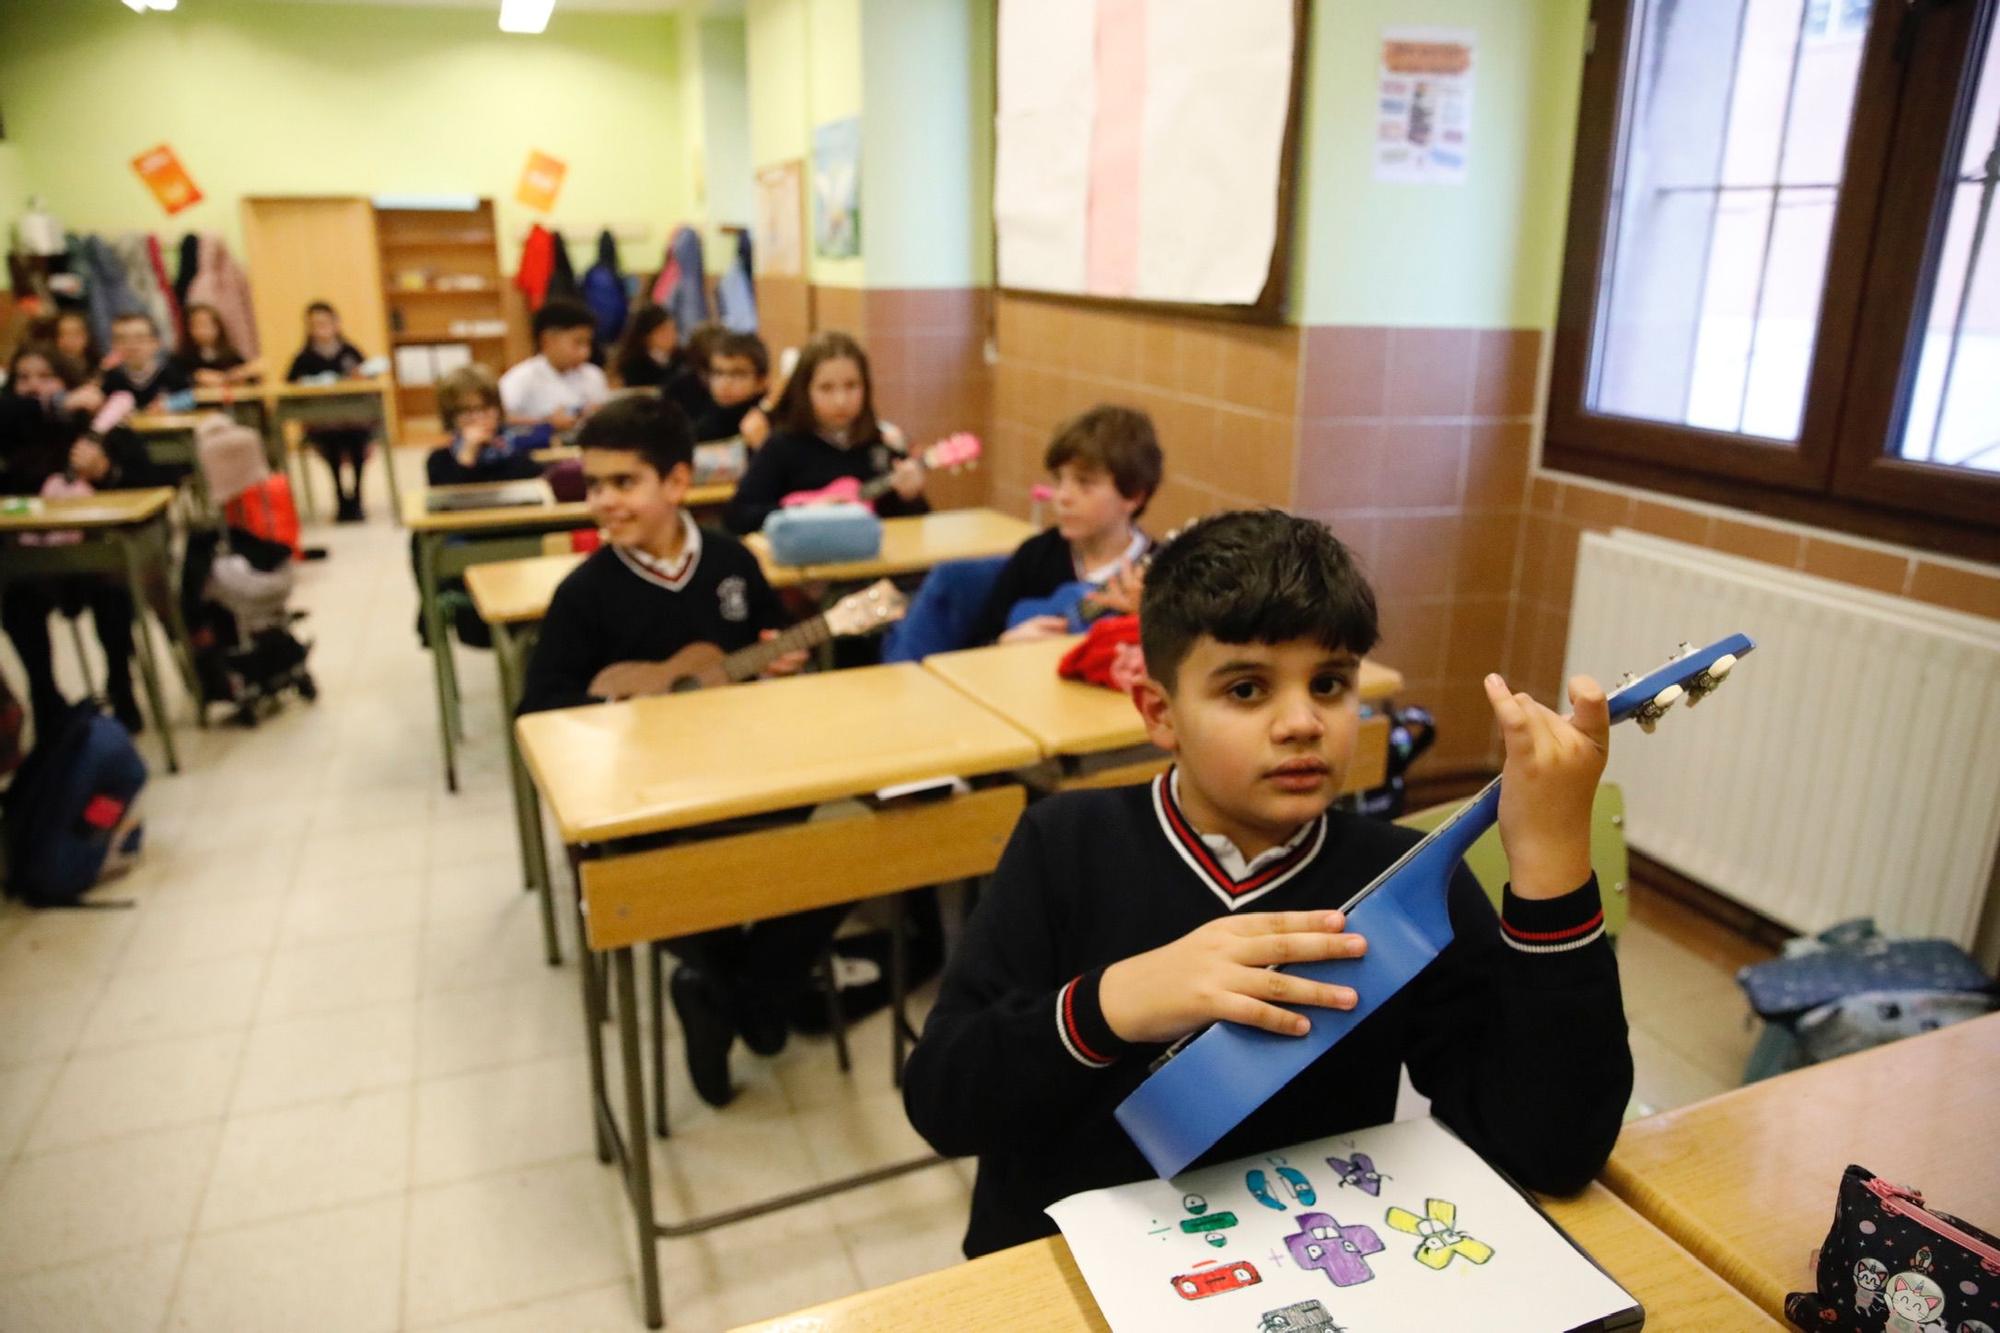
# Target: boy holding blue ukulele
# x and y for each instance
(1120, 921)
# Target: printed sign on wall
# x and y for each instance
(1423, 109)
(169, 181)
(541, 181)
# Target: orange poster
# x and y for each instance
(167, 179)
(541, 180)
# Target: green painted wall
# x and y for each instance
(263, 98)
(805, 70)
(1485, 254)
(13, 194)
(927, 143)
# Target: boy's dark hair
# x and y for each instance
(1253, 576)
(322, 308)
(466, 389)
(1117, 440)
(562, 313)
(745, 346)
(642, 423)
(135, 317)
(700, 344)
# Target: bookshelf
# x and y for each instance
(443, 288)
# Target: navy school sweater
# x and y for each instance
(1516, 1032)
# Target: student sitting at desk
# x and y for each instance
(328, 355)
(650, 356)
(207, 357)
(659, 584)
(144, 370)
(480, 449)
(45, 433)
(69, 332)
(825, 429)
(1106, 465)
(739, 374)
(1116, 923)
(556, 385)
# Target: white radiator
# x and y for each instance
(1851, 765)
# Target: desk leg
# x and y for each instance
(142, 641)
(507, 654)
(298, 468)
(638, 1164)
(434, 629)
(389, 470)
(588, 971)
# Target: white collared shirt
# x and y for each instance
(673, 574)
(1102, 574)
(1226, 851)
(536, 390)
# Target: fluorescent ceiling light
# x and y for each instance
(141, 6)
(525, 15)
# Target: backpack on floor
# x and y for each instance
(72, 803)
(266, 509)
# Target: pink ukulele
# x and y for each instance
(954, 453)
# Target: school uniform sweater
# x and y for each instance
(618, 606)
(1516, 1032)
(1037, 568)
(722, 423)
(35, 445)
(803, 461)
(495, 462)
(310, 362)
(147, 386)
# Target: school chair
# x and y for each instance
(1608, 856)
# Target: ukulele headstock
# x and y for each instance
(876, 606)
(1690, 675)
(954, 451)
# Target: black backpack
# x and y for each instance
(69, 800)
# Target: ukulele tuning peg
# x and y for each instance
(1711, 679)
(1655, 708)
(1624, 681)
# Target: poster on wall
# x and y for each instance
(541, 181)
(837, 189)
(1423, 106)
(1400, 1226)
(160, 167)
(781, 211)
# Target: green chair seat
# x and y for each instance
(1488, 862)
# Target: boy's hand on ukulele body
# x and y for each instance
(630, 680)
(1548, 784)
(1222, 971)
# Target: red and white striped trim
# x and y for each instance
(1233, 893)
(1072, 1036)
(672, 576)
(1553, 941)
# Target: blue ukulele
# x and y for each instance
(1209, 1083)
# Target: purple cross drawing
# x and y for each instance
(1325, 1244)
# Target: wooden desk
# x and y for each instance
(674, 763)
(909, 546)
(1747, 1181)
(1037, 1285)
(124, 533)
(277, 404)
(448, 544)
(1094, 735)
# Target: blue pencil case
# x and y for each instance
(824, 534)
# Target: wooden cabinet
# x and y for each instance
(443, 287)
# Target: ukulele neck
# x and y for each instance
(745, 663)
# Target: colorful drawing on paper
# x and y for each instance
(1174, 1256)
(541, 180)
(160, 167)
(1212, 1279)
(1359, 1171)
(1423, 106)
(836, 189)
(1438, 1233)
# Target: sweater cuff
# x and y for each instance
(1552, 925)
(1080, 1023)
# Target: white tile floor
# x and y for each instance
(322, 1078)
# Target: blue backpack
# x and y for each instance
(69, 800)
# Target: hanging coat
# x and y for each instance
(736, 294)
(537, 262)
(133, 251)
(604, 290)
(221, 282)
(681, 287)
(158, 261)
(107, 293)
(190, 264)
(562, 278)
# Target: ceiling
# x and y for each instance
(598, 6)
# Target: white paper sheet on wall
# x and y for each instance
(1218, 87)
(1401, 1226)
(1041, 169)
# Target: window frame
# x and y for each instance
(1838, 473)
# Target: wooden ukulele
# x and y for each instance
(954, 453)
(702, 665)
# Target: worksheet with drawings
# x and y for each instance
(1397, 1227)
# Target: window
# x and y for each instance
(1780, 286)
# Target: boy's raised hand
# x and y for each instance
(1221, 971)
(1548, 784)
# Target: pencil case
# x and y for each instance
(828, 534)
(1893, 1262)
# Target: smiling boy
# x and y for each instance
(1116, 923)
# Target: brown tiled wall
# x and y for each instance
(1415, 448)
(784, 312)
(1223, 396)
(1562, 507)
